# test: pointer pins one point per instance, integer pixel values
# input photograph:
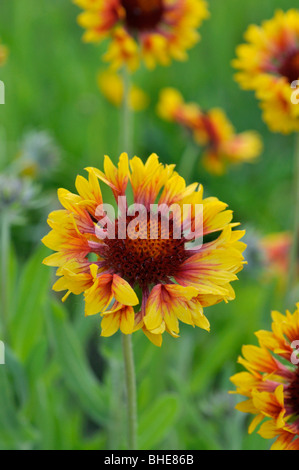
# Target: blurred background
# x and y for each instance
(62, 384)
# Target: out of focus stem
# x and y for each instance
(130, 391)
(295, 243)
(5, 237)
(188, 160)
(127, 117)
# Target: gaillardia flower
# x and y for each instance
(211, 130)
(153, 31)
(269, 64)
(271, 382)
(276, 248)
(178, 255)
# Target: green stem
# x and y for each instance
(295, 245)
(188, 160)
(130, 379)
(127, 116)
(5, 237)
(130, 391)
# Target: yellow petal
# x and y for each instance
(127, 320)
(110, 324)
(123, 292)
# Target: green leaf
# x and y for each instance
(15, 431)
(157, 421)
(18, 375)
(11, 281)
(37, 360)
(74, 366)
(27, 322)
(216, 354)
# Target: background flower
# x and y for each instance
(271, 383)
(268, 64)
(277, 249)
(17, 196)
(112, 87)
(153, 31)
(210, 130)
(39, 155)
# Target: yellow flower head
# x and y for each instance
(113, 257)
(153, 31)
(112, 87)
(269, 64)
(271, 382)
(212, 130)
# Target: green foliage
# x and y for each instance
(157, 421)
(62, 384)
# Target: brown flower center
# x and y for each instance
(143, 14)
(146, 261)
(290, 67)
(293, 393)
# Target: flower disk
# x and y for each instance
(152, 247)
(143, 14)
(145, 261)
(153, 31)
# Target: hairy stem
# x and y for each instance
(127, 117)
(188, 161)
(130, 391)
(129, 366)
